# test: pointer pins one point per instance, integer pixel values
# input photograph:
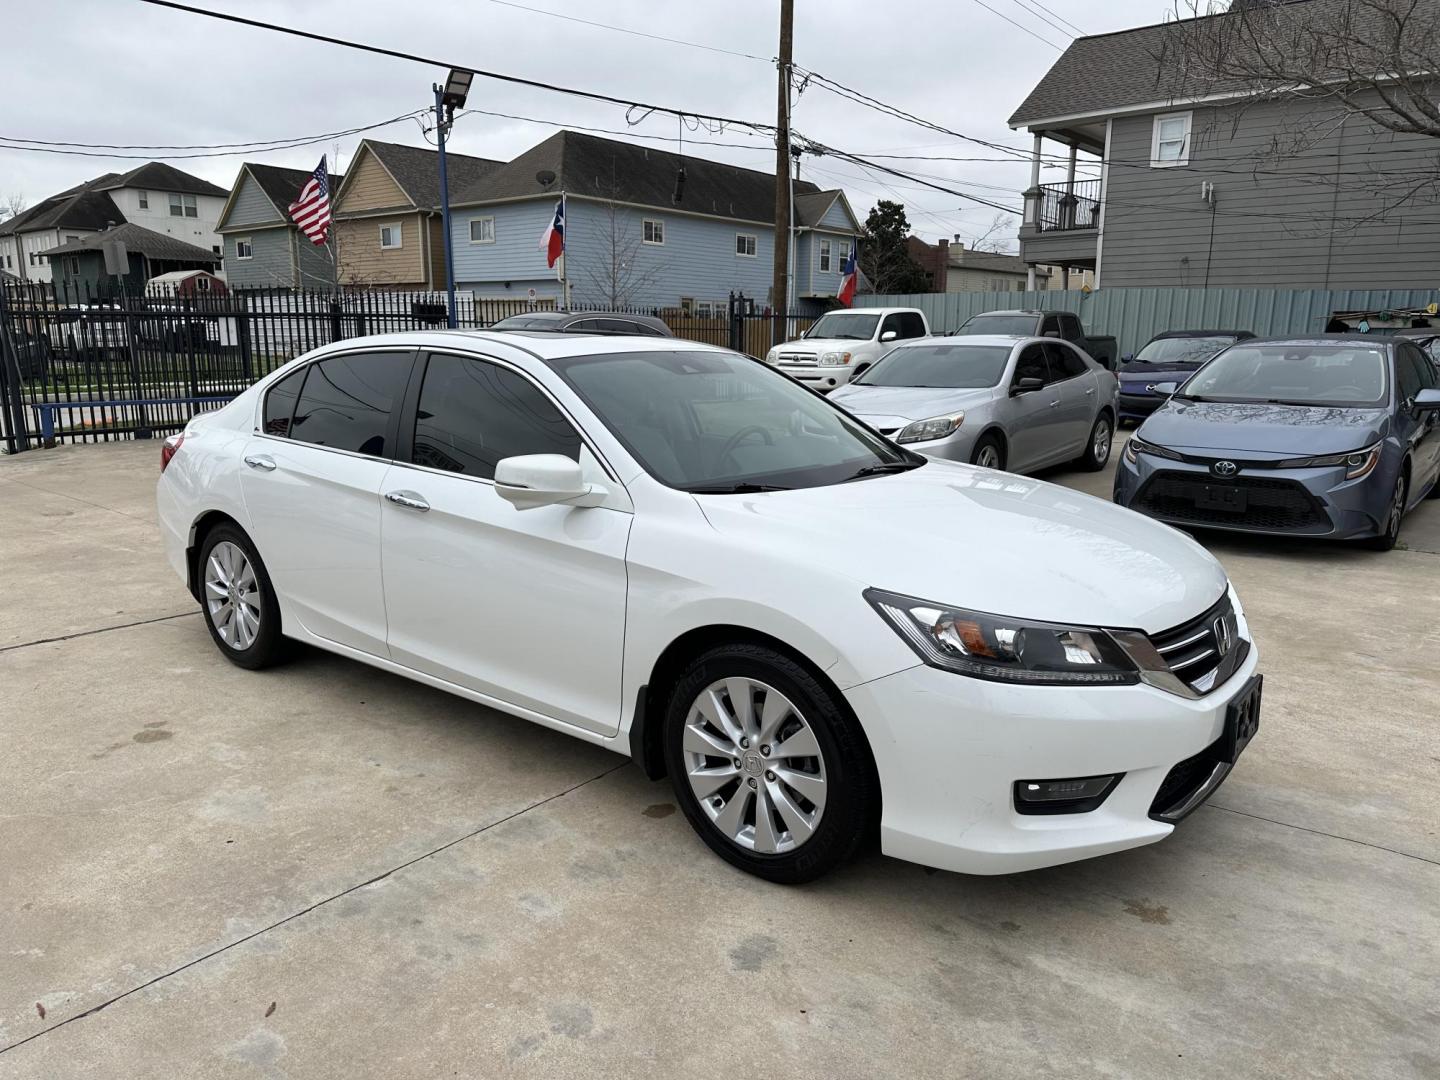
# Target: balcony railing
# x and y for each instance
(1069, 206)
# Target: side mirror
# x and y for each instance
(888, 335)
(1166, 389)
(1129, 356)
(1051, 333)
(1026, 386)
(533, 480)
(1427, 400)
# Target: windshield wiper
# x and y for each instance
(882, 469)
(737, 489)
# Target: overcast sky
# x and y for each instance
(123, 72)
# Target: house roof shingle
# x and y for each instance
(87, 206)
(139, 241)
(157, 176)
(589, 166)
(417, 172)
(282, 186)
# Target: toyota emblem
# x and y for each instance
(1225, 468)
(1222, 636)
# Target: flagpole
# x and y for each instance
(564, 254)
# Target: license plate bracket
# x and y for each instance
(1224, 497)
(1242, 719)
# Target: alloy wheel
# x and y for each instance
(754, 765)
(1397, 509)
(989, 457)
(1100, 442)
(232, 595)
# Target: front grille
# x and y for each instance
(1195, 652)
(1184, 780)
(808, 359)
(1278, 505)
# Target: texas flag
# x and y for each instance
(849, 278)
(552, 240)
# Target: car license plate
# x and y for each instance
(1224, 497)
(1242, 719)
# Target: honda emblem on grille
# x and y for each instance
(1224, 468)
(1221, 629)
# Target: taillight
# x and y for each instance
(169, 447)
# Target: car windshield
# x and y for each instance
(1337, 375)
(850, 325)
(943, 364)
(1022, 325)
(717, 422)
(1181, 350)
(528, 322)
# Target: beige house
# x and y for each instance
(387, 214)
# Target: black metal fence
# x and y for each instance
(77, 365)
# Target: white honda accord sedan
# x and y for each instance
(672, 551)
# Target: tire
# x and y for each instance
(989, 453)
(833, 792)
(1385, 541)
(1098, 447)
(251, 639)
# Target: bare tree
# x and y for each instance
(614, 267)
(11, 205)
(998, 238)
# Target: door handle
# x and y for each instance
(408, 499)
(1055, 404)
(1090, 391)
(256, 461)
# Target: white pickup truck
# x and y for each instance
(841, 344)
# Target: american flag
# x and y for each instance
(311, 211)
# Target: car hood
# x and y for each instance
(1283, 430)
(986, 540)
(907, 402)
(817, 345)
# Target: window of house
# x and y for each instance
(654, 232)
(473, 414)
(825, 256)
(32, 258)
(687, 305)
(243, 250)
(202, 284)
(347, 400)
(72, 264)
(1170, 141)
(390, 235)
(144, 200)
(745, 245)
(482, 230)
(183, 205)
(216, 249)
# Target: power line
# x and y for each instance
(635, 33)
(259, 144)
(1018, 26)
(1042, 17)
(1051, 11)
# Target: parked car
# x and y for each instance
(840, 345)
(1332, 436)
(81, 331)
(1167, 357)
(1427, 337)
(1056, 324)
(1011, 403)
(32, 353)
(666, 549)
(586, 322)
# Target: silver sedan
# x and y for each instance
(1016, 403)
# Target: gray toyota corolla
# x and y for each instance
(1333, 436)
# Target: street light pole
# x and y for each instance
(448, 98)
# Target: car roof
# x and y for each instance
(970, 339)
(1241, 335)
(1324, 339)
(541, 344)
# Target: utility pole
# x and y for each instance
(780, 280)
(448, 98)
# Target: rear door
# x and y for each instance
(1030, 417)
(525, 606)
(312, 490)
(1074, 385)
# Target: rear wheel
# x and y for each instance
(1097, 450)
(988, 453)
(1394, 515)
(769, 767)
(238, 601)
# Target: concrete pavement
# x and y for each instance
(324, 870)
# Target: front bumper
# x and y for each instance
(1315, 502)
(949, 750)
(820, 378)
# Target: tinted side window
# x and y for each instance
(1070, 328)
(911, 324)
(347, 401)
(1049, 324)
(617, 326)
(473, 413)
(280, 403)
(1031, 364)
(1065, 362)
(583, 326)
(1408, 376)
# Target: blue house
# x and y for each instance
(644, 228)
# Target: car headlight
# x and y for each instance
(1003, 649)
(834, 359)
(1137, 446)
(937, 427)
(1357, 463)
(772, 355)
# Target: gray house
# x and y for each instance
(1169, 181)
(263, 248)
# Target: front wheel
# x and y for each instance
(1097, 450)
(239, 604)
(1394, 515)
(988, 453)
(768, 765)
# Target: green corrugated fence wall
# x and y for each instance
(1134, 316)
